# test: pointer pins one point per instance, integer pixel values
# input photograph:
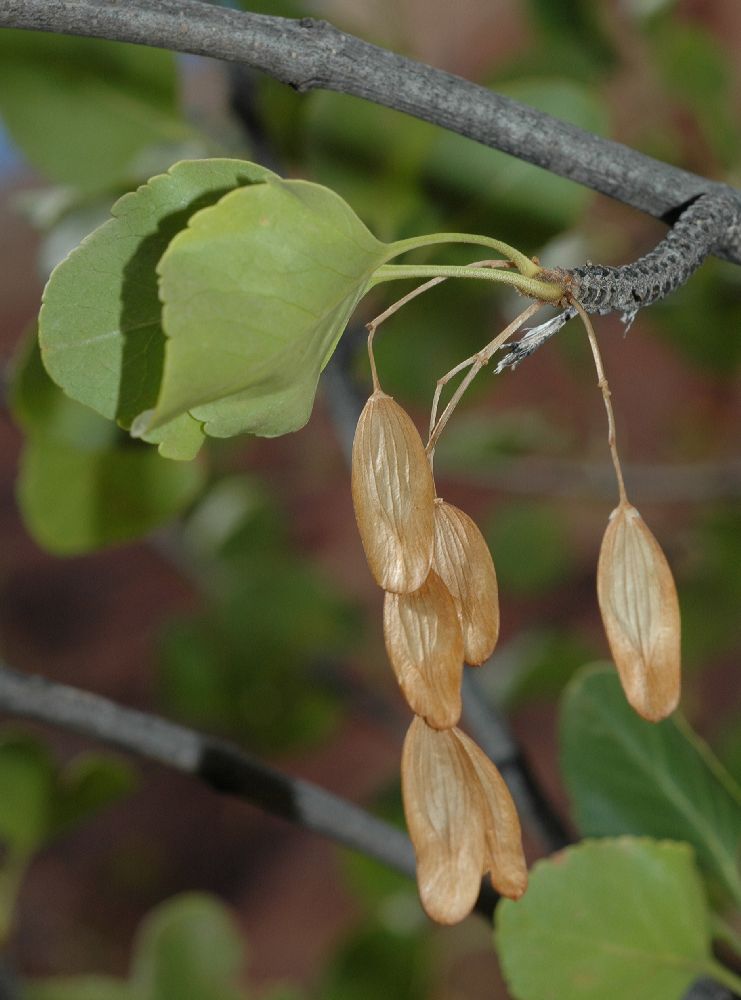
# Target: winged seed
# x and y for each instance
(461, 820)
(640, 613)
(425, 646)
(463, 562)
(393, 495)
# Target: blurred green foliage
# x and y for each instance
(83, 483)
(257, 664)
(39, 800)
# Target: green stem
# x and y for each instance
(724, 975)
(523, 264)
(544, 291)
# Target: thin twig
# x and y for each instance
(308, 54)
(605, 389)
(220, 765)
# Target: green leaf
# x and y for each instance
(257, 291)
(609, 919)
(77, 500)
(100, 327)
(188, 947)
(626, 775)
(26, 782)
(82, 110)
(83, 483)
(89, 783)
(77, 988)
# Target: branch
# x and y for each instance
(220, 765)
(309, 54)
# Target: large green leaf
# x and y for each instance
(611, 919)
(257, 291)
(99, 326)
(82, 109)
(83, 483)
(188, 947)
(76, 500)
(626, 775)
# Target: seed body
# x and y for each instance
(463, 562)
(393, 495)
(461, 820)
(640, 613)
(504, 857)
(425, 647)
(445, 822)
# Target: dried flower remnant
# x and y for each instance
(425, 646)
(640, 612)
(393, 495)
(461, 821)
(463, 562)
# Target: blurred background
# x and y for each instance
(247, 609)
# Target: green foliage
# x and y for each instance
(530, 544)
(188, 947)
(711, 590)
(696, 70)
(39, 800)
(254, 664)
(84, 110)
(697, 318)
(545, 660)
(609, 919)
(378, 962)
(626, 775)
(252, 316)
(572, 36)
(83, 483)
(348, 142)
(511, 187)
(100, 325)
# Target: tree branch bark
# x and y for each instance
(309, 54)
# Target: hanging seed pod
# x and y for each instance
(640, 613)
(463, 562)
(425, 647)
(505, 859)
(445, 821)
(393, 494)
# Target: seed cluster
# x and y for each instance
(441, 608)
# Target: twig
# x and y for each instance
(308, 54)
(626, 289)
(219, 764)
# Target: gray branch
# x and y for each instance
(220, 765)
(308, 54)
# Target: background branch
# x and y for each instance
(309, 54)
